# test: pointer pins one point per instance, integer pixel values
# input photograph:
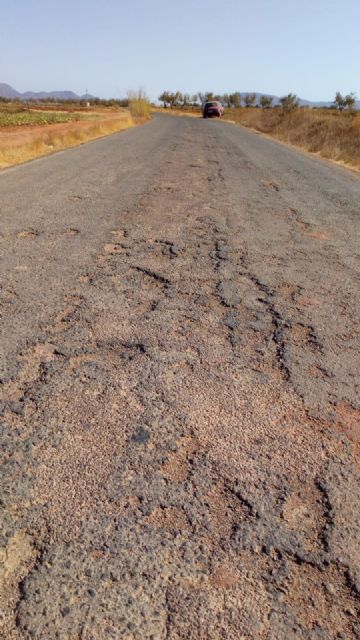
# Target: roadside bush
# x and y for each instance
(289, 103)
(139, 105)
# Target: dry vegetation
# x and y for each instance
(140, 108)
(27, 133)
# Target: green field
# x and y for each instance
(23, 118)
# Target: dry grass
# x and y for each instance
(330, 134)
(139, 106)
(26, 143)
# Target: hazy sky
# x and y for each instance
(309, 47)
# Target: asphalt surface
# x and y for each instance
(179, 372)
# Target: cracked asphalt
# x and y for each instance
(180, 391)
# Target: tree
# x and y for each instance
(266, 102)
(179, 98)
(171, 98)
(174, 98)
(209, 96)
(250, 99)
(339, 101)
(225, 99)
(344, 102)
(165, 98)
(185, 100)
(350, 101)
(235, 99)
(194, 101)
(289, 102)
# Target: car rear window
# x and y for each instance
(211, 104)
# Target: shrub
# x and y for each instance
(289, 102)
(250, 99)
(139, 104)
(266, 102)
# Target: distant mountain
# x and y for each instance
(308, 103)
(6, 91)
(59, 95)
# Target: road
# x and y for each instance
(180, 331)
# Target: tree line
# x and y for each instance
(236, 99)
(289, 102)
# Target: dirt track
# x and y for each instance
(180, 318)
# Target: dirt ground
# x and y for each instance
(180, 391)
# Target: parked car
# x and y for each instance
(213, 108)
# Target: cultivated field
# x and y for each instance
(35, 118)
(30, 132)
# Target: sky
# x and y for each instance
(308, 47)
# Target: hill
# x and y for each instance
(6, 91)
